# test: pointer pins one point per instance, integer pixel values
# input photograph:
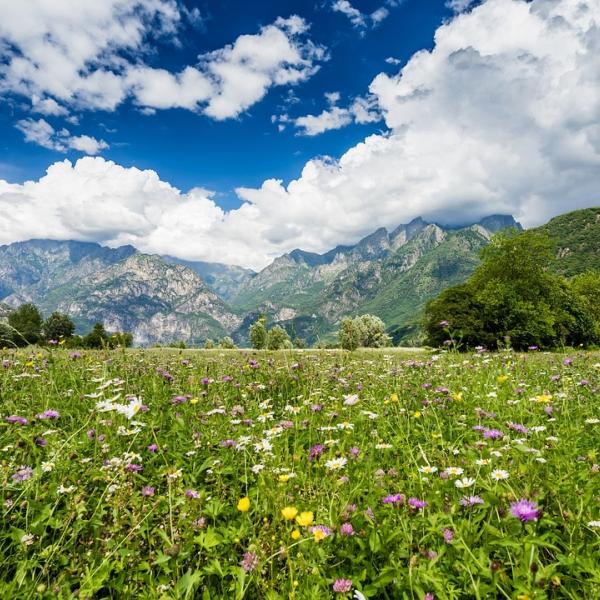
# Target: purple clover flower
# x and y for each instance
(342, 586)
(315, 452)
(470, 501)
(448, 535)
(148, 490)
(492, 434)
(23, 473)
(525, 510)
(346, 530)
(417, 503)
(518, 427)
(16, 420)
(48, 414)
(249, 562)
(394, 499)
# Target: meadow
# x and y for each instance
(306, 475)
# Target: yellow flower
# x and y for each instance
(501, 378)
(417, 414)
(194, 401)
(284, 478)
(304, 519)
(543, 398)
(394, 397)
(296, 534)
(458, 396)
(244, 504)
(319, 534)
(289, 513)
(523, 597)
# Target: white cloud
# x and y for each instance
(502, 116)
(362, 110)
(89, 55)
(343, 6)
(87, 144)
(380, 14)
(40, 132)
(332, 118)
(459, 5)
(48, 106)
(360, 20)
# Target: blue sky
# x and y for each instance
(189, 149)
(235, 132)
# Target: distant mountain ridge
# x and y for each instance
(163, 298)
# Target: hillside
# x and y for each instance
(124, 289)
(576, 237)
(391, 274)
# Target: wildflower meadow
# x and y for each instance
(299, 474)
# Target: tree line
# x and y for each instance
(25, 325)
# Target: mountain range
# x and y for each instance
(160, 299)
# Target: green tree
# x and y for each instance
(258, 334)
(26, 324)
(513, 295)
(349, 335)
(372, 332)
(120, 339)
(226, 343)
(97, 338)
(456, 316)
(278, 338)
(364, 331)
(58, 326)
(209, 344)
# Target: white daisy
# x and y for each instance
(465, 482)
(335, 464)
(427, 470)
(454, 471)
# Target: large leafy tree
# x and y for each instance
(97, 338)
(58, 326)
(26, 324)
(512, 297)
(278, 338)
(364, 331)
(258, 334)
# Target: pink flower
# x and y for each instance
(342, 586)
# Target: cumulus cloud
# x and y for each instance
(361, 110)
(501, 116)
(40, 132)
(89, 55)
(48, 106)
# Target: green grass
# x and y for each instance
(81, 525)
